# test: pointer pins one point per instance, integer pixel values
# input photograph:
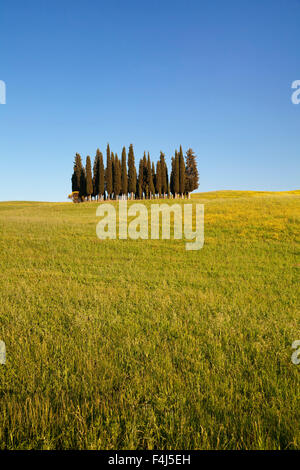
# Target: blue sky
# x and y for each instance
(212, 75)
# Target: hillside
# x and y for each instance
(141, 344)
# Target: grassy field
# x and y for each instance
(123, 344)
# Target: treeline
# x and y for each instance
(119, 179)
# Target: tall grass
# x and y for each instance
(124, 344)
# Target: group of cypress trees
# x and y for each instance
(119, 179)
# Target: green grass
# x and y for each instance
(142, 344)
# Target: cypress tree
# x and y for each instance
(158, 178)
(116, 179)
(73, 180)
(172, 176)
(112, 156)
(82, 190)
(108, 173)
(176, 175)
(191, 171)
(145, 176)
(140, 191)
(149, 177)
(117, 176)
(96, 174)
(120, 177)
(168, 183)
(76, 177)
(89, 180)
(124, 189)
(101, 187)
(163, 170)
(141, 179)
(153, 178)
(131, 172)
(181, 173)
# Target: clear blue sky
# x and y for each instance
(213, 75)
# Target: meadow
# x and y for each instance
(124, 344)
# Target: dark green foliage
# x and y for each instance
(82, 188)
(141, 179)
(74, 182)
(108, 173)
(158, 178)
(89, 180)
(101, 186)
(150, 177)
(168, 182)
(131, 171)
(191, 172)
(181, 173)
(96, 174)
(164, 176)
(120, 177)
(78, 177)
(77, 173)
(176, 174)
(98, 178)
(172, 176)
(117, 176)
(112, 156)
(145, 176)
(124, 188)
(153, 177)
